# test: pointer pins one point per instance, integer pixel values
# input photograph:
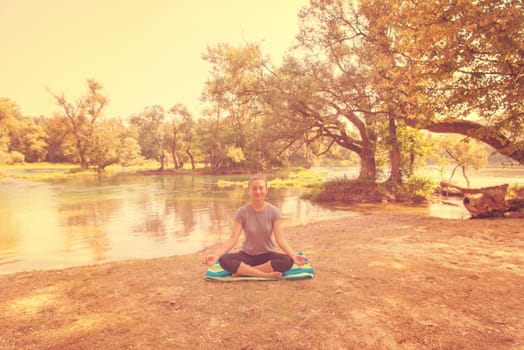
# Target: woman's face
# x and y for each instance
(257, 190)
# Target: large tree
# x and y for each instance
(179, 135)
(29, 137)
(21, 138)
(9, 113)
(453, 67)
(152, 137)
(325, 108)
(245, 127)
(80, 121)
(391, 65)
(106, 143)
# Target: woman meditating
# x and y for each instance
(260, 221)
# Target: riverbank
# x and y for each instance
(383, 281)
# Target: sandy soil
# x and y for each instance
(383, 281)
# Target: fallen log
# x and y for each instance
(483, 202)
(448, 191)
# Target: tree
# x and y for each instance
(80, 121)
(57, 141)
(339, 102)
(396, 64)
(464, 153)
(129, 151)
(28, 136)
(151, 135)
(9, 112)
(464, 62)
(207, 139)
(416, 146)
(105, 143)
(179, 136)
(237, 110)
(21, 138)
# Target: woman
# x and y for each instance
(260, 221)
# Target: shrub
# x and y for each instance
(419, 189)
(11, 158)
(349, 191)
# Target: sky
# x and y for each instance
(143, 52)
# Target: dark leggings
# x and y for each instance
(279, 262)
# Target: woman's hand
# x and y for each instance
(300, 260)
(210, 260)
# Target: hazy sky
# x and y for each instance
(143, 52)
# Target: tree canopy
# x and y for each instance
(369, 77)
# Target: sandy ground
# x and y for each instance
(383, 281)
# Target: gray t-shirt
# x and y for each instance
(258, 228)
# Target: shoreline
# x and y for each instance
(347, 211)
(382, 280)
(360, 209)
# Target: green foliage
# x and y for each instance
(179, 136)
(365, 77)
(298, 178)
(39, 171)
(462, 152)
(10, 158)
(148, 124)
(301, 179)
(235, 154)
(129, 152)
(244, 110)
(433, 66)
(80, 125)
(105, 144)
(417, 189)
(420, 188)
(416, 147)
(349, 191)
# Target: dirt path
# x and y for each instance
(383, 281)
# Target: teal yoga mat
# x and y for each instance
(217, 273)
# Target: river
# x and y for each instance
(49, 225)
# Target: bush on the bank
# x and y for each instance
(11, 158)
(349, 191)
(419, 189)
(416, 190)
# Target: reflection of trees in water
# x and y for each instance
(152, 226)
(183, 211)
(87, 222)
(9, 229)
(179, 209)
(152, 223)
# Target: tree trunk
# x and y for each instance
(395, 178)
(368, 169)
(191, 158)
(465, 176)
(162, 159)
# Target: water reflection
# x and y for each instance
(57, 225)
(82, 221)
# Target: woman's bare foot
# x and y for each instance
(253, 271)
(275, 274)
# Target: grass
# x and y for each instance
(294, 177)
(44, 171)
